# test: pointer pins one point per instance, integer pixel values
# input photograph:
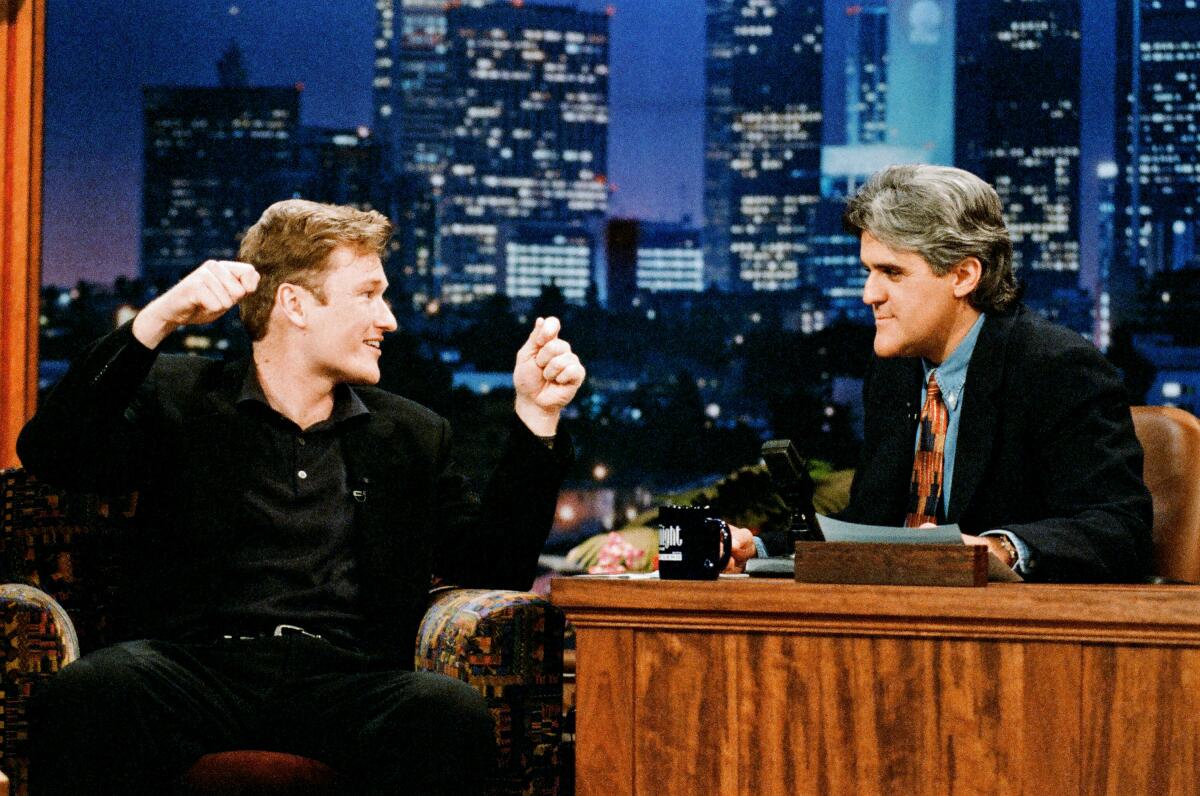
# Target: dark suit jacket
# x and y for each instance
(1046, 450)
(125, 418)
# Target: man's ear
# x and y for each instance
(966, 275)
(291, 301)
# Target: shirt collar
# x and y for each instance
(346, 402)
(952, 373)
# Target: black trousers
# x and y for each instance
(132, 718)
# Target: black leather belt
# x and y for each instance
(280, 630)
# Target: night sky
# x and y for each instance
(99, 54)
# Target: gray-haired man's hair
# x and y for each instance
(944, 215)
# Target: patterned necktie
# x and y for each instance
(925, 491)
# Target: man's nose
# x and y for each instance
(385, 318)
(872, 294)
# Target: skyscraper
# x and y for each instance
(213, 159)
(528, 134)
(669, 259)
(339, 166)
(1158, 144)
(621, 253)
(538, 254)
(1018, 126)
(412, 102)
(921, 77)
(411, 112)
(385, 96)
(1106, 255)
(866, 73)
(762, 139)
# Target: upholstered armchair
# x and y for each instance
(60, 552)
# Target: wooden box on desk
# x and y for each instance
(891, 564)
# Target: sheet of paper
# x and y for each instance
(838, 531)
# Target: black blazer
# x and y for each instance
(1046, 450)
(125, 418)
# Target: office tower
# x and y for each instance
(1018, 127)
(407, 89)
(347, 167)
(213, 158)
(385, 98)
(762, 139)
(899, 92)
(718, 116)
(1157, 148)
(411, 99)
(413, 110)
(539, 254)
(339, 166)
(620, 252)
(866, 73)
(921, 78)
(669, 259)
(1106, 255)
(412, 263)
(831, 263)
(529, 131)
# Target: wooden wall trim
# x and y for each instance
(22, 70)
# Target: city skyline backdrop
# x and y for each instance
(99, 58)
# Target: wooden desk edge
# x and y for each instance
(1161, 615)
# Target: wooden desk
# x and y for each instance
(773, 687)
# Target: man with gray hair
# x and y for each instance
(977, 411)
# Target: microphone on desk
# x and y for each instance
(790, 476)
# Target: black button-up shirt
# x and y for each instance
(295, 564)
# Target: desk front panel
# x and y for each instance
(685, 700)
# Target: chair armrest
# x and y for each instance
(507, 644)
(505, 637)
(39, 639)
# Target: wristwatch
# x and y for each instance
(1008, 547)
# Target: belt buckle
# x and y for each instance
(282, 629)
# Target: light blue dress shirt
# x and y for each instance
(952, 379)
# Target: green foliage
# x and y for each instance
(748, 498)
(745, 497)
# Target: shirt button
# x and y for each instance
(302, 441)
(302, 474)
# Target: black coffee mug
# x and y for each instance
(691, 544)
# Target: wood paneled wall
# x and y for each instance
(22, 51)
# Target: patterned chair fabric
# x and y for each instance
(69, 545)
(39, 640)
(508, 645)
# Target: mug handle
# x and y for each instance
(726, 543)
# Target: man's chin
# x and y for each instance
(365, 376)
(886, 348)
